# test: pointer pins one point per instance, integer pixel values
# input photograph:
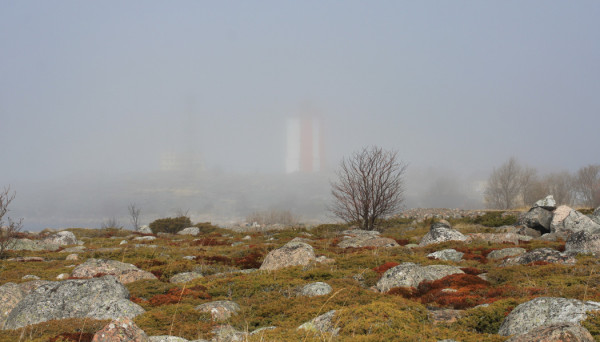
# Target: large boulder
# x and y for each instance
(540, 255)
(441, 232)
(144, 230)
(561, 332)
(537, 218)
(10, 295)
(583, 242)
(63, 238)
(291, 254)
(121, 330)
(596, 216)
(547, 203)
(544, 311)
(125, 273)
(97, 298)
(569, 220)
(409, 274)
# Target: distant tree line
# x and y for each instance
(514, 185)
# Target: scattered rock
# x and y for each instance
(227, 333)
(499, 237)
(166, 338)
(316, 289)
(75, 249)
(123, 242)
(144, 230)
(63, 238)
(62, 276)
(596, 216)
(537, 218)
(291, 254)
(73, 257)
(447, 254)
(184, 277)
(583, 242)
(33, 245)
(441, 232)
(322, 324)
(543, 311)
(144, 238)
(409, 274)
(360, 241)
(219, 310)
(27, 259)
(524, 230)
(544, 255)
(121, 330)
(444, 316)
(97, 298)
(547, 203)
(505, 252)
(194, 231)
(30, 276)
(561, 332)
(125, 273)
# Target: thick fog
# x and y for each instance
(186, 105)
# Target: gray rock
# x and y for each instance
(184, 277)
(63, 238)
(447, 254)
(561, 332)
(505, 252)
(441, 232)
(545, 311)
(144, 238)
(568, 220)
(537, 218)
(166, 338)
(322, 324)
(220, 310)
(33, 245)
(498, 237)
(194, 231)
(125, 273)
(122, 329)
(30, 277)
(409, 274)
(367, 241)
(359, 232)
(583, 242)
(76, 249)
(144, 230)
(547, 203)
(526, 231)
(548, 255)
(316, 289)
(290, 254)
(596, 216)
(10, 295)
(227, 333)
(97, 298)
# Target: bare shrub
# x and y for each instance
(510, 186)
(8, 230)
(587, 185)
(369, 186)
(111, 223)
(134, 215)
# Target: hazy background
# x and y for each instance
(94, 96)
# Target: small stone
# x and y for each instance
(316, 289)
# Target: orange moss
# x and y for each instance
(472, 270)
(402, 242)
(175, 294)
(381, 269)
(209, 242)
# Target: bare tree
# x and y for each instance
(587, 185)
(560, 185)
(504, 189)
(370, 185)
(134, 215)
(10, 228)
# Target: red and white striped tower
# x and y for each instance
(304, 151)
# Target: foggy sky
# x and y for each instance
(99, 90)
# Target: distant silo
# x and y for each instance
(304, 145)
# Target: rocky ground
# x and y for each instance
(429, 275)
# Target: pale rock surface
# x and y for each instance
(583, 242)
(547, 203)
(544, 311)
(569, 220)
(447, 254)
(548, 255)
(194, 231)
(63, 238)
(184, 277)
(125, 273)
(561, 332)
(219, 310)
(316, 289)
(322, 324)
(409, 274)
(121, 330)
(441, 232)
(290, 254)
(97, 298)
(506, 252)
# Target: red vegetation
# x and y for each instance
(77, 337)
(214, 259)
(209, 242)
(477, 253)
(471, 270)
(157, 273)
(381, 269)
(149, 263)
(175, 295)
(251, 260)
(539, 263)
(461, 291)
(402, 242)
(136, 300)
(334, 242)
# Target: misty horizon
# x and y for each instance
(105, 104)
